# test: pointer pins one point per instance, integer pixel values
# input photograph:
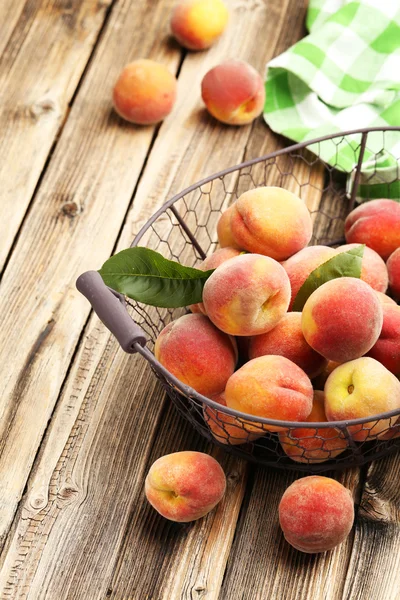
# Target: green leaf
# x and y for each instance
(345, 264)
(146, 276)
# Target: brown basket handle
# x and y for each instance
(110, 307)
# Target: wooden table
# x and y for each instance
(81, 422)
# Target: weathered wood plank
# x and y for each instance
(39, 71)
(263, 565)
(10, 13)
(374, 566)
(72, 227)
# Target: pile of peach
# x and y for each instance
(315, 513)
(233, 91)
(337, 360)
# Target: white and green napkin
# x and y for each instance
(344, 75)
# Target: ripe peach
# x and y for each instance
(373, 269)
(271, 221)
(247, 295)
(387, 347)
(316, 514)
(342, 319)
(224, 232)
(272, 387)
(376, 224)
(185, 486)
(393, 266)
(226, 428)
(197, 24)
(384, 299)
(287, 339)
(233, 92)
(300, 265)
(197, 353)
(303, 445)
(145, 92)
(212, 262)
(361, 388)
(392, 432)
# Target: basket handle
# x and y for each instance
(110, 307)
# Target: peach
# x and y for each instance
(271, 387)
(247, 295)
(287, 339)
(373, 269)
(271, 221)
(224, 232)
(225, 428)
(300, 265)
(233, 92)
(316, 514)
(197, 353)
(387, 347)
(384, 299)
(392, 432)
(393, 266)
(342, 319)
(197, 24)
(376, 224)
(185, 486)
(145, 92)
(358, 389)
(313, 445)
(212, 262)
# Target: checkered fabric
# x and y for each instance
(344, 75)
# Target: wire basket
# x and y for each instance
(184, 229)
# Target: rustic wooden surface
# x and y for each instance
(81, 422)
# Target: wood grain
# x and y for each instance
(72, 227)
(10, 13)
(58, 38)
(374, 566)
(263, 565)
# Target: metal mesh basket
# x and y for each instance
(184, 229)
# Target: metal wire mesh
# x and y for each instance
(184, 229)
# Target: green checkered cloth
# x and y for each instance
(344, 75)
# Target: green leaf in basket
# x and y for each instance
(146, 276)
(345, 264)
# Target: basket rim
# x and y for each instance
(249, 163)
(191, 393)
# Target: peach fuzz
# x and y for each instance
(300, 265)
(224, 232)
(361, 388)
(384, 299)
(287, 339)
(212, 262)
(197, 353)
(225, 428)
(247, 295)
(271, 221)
(302, 445)
(342, 319)
(233, 92)
(373, 268)
(376, 224)
(386, 350)
(145, 92)
(197, 24)
(316, 514)
(271, 387)
(393, 266)
(185, 486)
